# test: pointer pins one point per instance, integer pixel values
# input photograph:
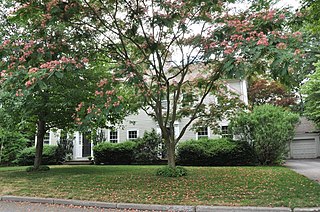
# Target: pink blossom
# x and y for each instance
(30, 82)
(19, 92)
(79, 65)
(109, 92)
(40, 50)
(22, 59)
(297, 34)
(79, 106)
(99, 93)
(263, 41)
(89, 110)
(102, 83)
(6, 42)
(282, 16)
(116, 104)
(11, 65)
(297, 52)
(281, 46)
(228, 50)
(85, 60)
(33, 70)
(3, 73)
(106, 105)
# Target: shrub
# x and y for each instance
(10, 146)
(147, 149)
(50, 156)
(214, 152)
(172, 172)
(110, 153)
(65, 149)
(267, 129)
(41, 168)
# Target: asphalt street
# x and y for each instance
(6, 206)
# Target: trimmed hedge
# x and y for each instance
(215, 152)
(50, 156)
(110, 153)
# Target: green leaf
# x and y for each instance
(59, 74)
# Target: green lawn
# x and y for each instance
(249, 186)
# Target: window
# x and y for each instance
(46, 139)
(203, 132)
(113, 136)
(132, 134)
(225, 132)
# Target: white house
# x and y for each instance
(134, 126)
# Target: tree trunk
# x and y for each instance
(1, 147)
(171, 154)
(39, 147)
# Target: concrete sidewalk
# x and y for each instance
(15, 203)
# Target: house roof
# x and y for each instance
(305, 126)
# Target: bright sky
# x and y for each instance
(294, 3)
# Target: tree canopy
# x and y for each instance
(172, 55)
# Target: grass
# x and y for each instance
(246, 186)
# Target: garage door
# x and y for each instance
(303, 148)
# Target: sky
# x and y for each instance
(294, 3)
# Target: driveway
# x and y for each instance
(307, 167)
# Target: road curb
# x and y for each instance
(27, 199)
(153, 207)
(240, 209)
(85, 203)
(306, 210)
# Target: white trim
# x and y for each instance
(49, 138)
(132, 130)
(118, 135)
(208, 129)
(176, 129)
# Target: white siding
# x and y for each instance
(140, 122)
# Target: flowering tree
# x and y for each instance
(175, 53)
(45, 76)
(178, 53)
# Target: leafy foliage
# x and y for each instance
(10, 145)
(147, 149)
(267, 129)
(40, 169)
(172, 172)
(262, 91)
(151, 47)
(51, 156)
(110, 153)
(65, 147)
(218, 152)
(312, 100)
